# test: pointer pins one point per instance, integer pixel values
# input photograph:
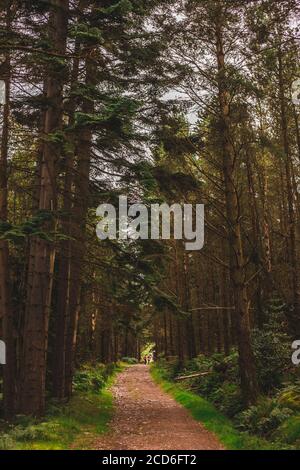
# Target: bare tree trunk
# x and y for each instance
(179, 335)
(63, 295)
(6, 308)
(166, 348)
(79, 213)
(237, 271)
(294, 314)
(186, 304)
(42, 252)
(226, 313)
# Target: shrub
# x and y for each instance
(290, 396)
(91, 378)
(271, 348)
(170, 368)
(130, 360)
(264, 418)
(219, 386)
(46, 431)
(289, 431)
(7, 442)
(223, 370)
(228, 399)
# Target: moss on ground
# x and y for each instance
(71, 426)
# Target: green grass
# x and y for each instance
(71, 426)
(211, 418)
(289, 431)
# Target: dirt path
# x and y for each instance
(147, 418)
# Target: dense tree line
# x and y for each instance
(100, 96)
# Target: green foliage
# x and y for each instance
(143, 171)
(116, 114)
(228, 399)
(168, 370)
(272, 418)
(289, 431)
(86, 34)
(36, 432)
(117, 10)
(129, 360)
(271, 348)
(175, 142)
(77, 422)
(289, 396)
(58, 65)
(17, 233)
(220, 385)
(7, 442)
(92, 378)
(148, 348)
(211, 418)
(62, 424)
(264, 418)
(57, 137)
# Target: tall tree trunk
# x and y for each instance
(165, 329)
(257, 251)
(187, 306)
(42, 252)
(78, 224)
(179, 322)
(237, 271)
(63, 294)
(226, 312)
(6, 308)
(294, 314)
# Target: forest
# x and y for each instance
(174, 102)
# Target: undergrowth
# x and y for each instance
(215, 421)
(274, 420)
(72, 425)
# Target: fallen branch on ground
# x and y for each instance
(191, 376)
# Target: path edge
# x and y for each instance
(206, 413)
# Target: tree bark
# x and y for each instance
(6, 308)
(42, 252)
(79, 213)
(237, 268)
(64, 258)
(294, 314)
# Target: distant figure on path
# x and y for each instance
(148, 358)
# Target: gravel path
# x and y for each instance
(147, 418)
